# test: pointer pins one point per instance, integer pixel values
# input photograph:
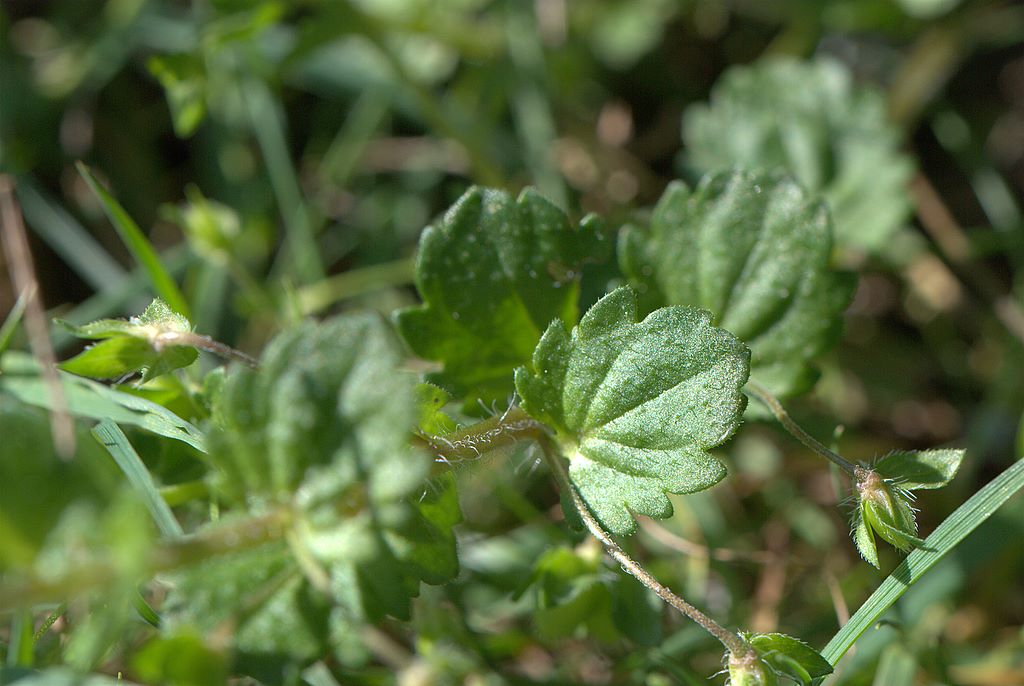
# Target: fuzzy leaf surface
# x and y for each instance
(753, 249)
(812, 120)
(637, 405)
(323, 426)
(920, 469)
(493, 273)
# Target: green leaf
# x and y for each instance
(430, 401)
(113, 439)
(493, 273)
(260, 594)
(156, 342)
(754, 250)
(94, 400)
(324, 427)
(57, 676)
(790, 657)
(812, 120)
(180, 659)
(137, 243)
(920, 469)
(945, 538)
(183, 79)
(30, 470)
(637, 405)
(636, 610)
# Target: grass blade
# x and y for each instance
(300, 241)
(137, 244)
(113, 439)
(87, 398)
(946, 536)
(68, 238)
(10, 324)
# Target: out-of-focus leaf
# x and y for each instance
(493, 273)
(637, 406)
(31, 504)
(181, 659)
(183, 79)
(811, 119)
(86, 398)
(754, 250)
(323, 428)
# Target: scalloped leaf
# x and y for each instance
(493, 273)
(812, 120)
(754, 250)
(323, 426)
(637, 405)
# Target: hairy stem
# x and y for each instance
(732, 641)
(773, 404)
(494, 433)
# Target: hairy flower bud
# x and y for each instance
(882, 508)
(750, 670)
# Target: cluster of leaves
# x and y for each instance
(313, 510)
(311, 454)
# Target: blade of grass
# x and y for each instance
(321, 295)
(300, 241)
(11, 323)
(113, 439)
(68, 238)
(896, 668)
(87, 398)
(342, 157)
(137, 244)
(20, 643)
(946, 536)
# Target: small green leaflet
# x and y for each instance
(151, 343)
(493, 273)
(812, 120)
(637, 405)
(754, 250)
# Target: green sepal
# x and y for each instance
(790, 657)
(637, 405)
(493, 273)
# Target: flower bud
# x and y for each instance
(882, 508)
(750, 670)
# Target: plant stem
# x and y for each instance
(322, 294)
(773, 404)
(491, 434)
(732, 641)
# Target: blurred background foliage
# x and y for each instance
(284, 157)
